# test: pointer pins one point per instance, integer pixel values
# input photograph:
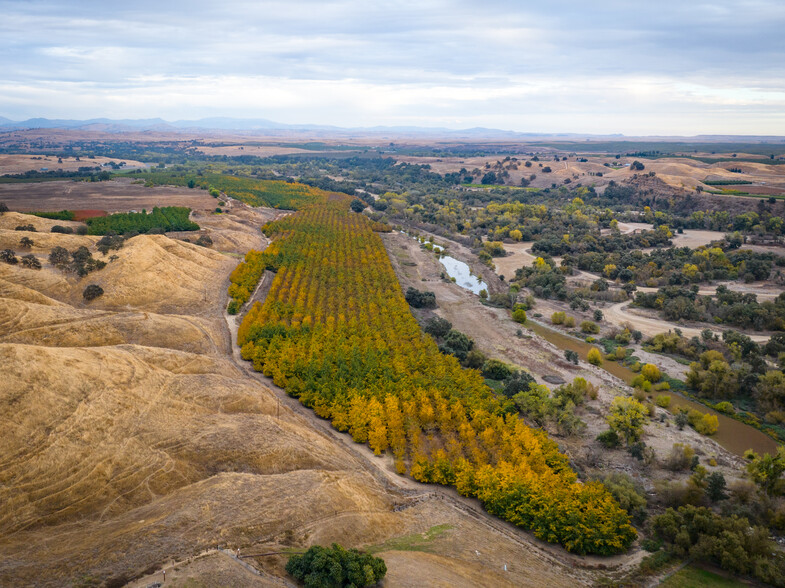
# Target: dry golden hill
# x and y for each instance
(11, 220)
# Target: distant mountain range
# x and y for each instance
(254, 126)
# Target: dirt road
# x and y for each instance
(649, 326)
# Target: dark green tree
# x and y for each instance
(336, 567)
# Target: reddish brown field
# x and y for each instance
(80, 215)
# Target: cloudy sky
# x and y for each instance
(666, 67)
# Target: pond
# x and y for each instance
(462, 274)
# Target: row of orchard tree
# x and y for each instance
(336, 332)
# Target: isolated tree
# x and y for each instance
(594, 356)
(8, 256)
(204, 241)
(3, 208)
(336, 567)
(571, 356)
(489, 178)
(626, 417)
(92, 292)
(357, 205)
(26, 242)
(715, 486)
(30, 261)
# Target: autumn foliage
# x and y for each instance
(336, 332)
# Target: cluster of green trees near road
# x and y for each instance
(727, 307)
(679, 265)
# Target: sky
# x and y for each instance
(637, 68)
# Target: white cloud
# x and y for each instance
(670, 67)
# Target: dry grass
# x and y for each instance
(20, 163)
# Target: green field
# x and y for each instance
(691, 577)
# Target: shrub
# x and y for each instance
(571, 356)
(620, 353)
(704, 423)
(626, 417)
(336, 567)
(651, 372)
(204, 241)
(92, 292)
(682, 420)
(594, 356)
(609, 439)
(26, 242)
(419, 299)
(475, 359)
(30, 261)
(8, 256)
(680, 457)
(496, 370)
(517, 383)
(437, 326)
(629, 494)
(29, 228)
(61, 229)
(557, 318)
(725, 408)
(569, 321)
(663, 401)
(457, 344)
(590, 327)
(519, 316)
